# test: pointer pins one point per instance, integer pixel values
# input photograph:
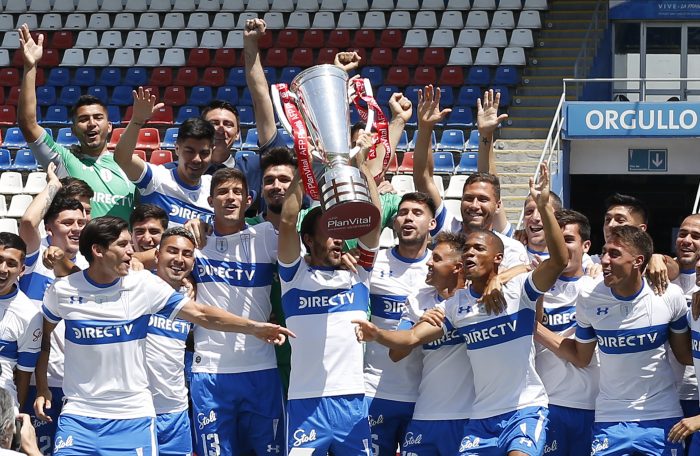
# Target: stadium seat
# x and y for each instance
(5, 160)
(69, 95)
(323, 20)
(479, 76)
(299, 19)
(61, 39)
(303, 57)
(467, 165)
(514, 56)
(114, 114)
(111, 39)
(110, 77)
(398, 76)
(522, 38)
(361, 38)
(382, 5)
(477, 20)
(11, 183)
(211, 39)
(387, 239)
(186, 112)
(19, 204)
(505, 95)
(452, 139)
(98, 58)
(161, 77)
(174, 96)
(487, 57)
(99, 92)
(4, 58)
(382, 57)
(357, 5)
(36, 182)
(234, 39)
(451, 76)
(136, 76)
(13, 96)
(87, 6)
(314, 39)
(7, 22)
(416, 38)
(51, 21)
(375, 20)
(186, 77)
(87, 39)
(529, 20)
(452, 20)
(424, 75)
(349, 20)
(14, 139)
(424, 19)
(123, 58)
(10, 40)
(173, 57)
(503, 20)
(223, 21)
(468, 95)
(251, 139)
(408, 57)
(506, 75)
(56, 115)
(287, 39)
(232, 5)
(455, 187)
(384, 93)
(148, 139)
(151, 57)
(73, 57)
(227, 93)
(391, 38)
(224, 58)
(136, 39)
(488, 5)
(473, 141)
(161, 157)
(246, 98)
(9, 225)
(406, 165)
(169, 138)
(140, 153)
(214, 76)
(446, 96)
(151, 21)
(535, 5)
(200, 96)
(443, 39)
(434, 5)
(246, 116)
(403, 183)
(274, 20)
(496, 38)
(412, 143)
(65, 137)
(276, 57)
(434, 57)
(288, 73)
(443, 163)
(162, 39)
(9, 77)
(75, 21)
(332, 5)
(236, 77)
(282, 6)
(24, 161)
(198, 21)
(440, 184)
(99, 21)
(122, 96)
(374, 74)
(63, 6)
(400, 20)
(515, 5)
(327, 55)
(8, 115)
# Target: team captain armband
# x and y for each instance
(367, 255)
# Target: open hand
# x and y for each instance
(429, 112)
(31, 50)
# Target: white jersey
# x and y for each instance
(500, 348)
(235, 273)
(534, 255)
(20, 337)
(165, 362)
(319, 305)
(393, 279)
(106, 329)
(566, 384)
(514, 252)
(636, 380)
(163, 187)
(685, 375)
(34, 282)
(446, 390)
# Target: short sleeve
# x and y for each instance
(288, 271)
(530, 291)
(29, 344)
(441, 216)
(584, 331)
(147, 180)
(161, 299)
(30, 261)
(47, 151)
(49, 307)
(679, 311)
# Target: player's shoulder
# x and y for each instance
(673, 295)
(23, 307)
(511, 243)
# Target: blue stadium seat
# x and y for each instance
(411, 92)
(185, 112)
(227, 93)
(288, 73)
(58, 77)
(114, 114)
(412, 143)
(100, 92)
(246, 115)
(447, 98)
(460, 117)
(84, 77)
(479, 76)
(403, 141)
(66, 138)
(169, 138)
(473, 141)
(468, 95)
(413, 121)
(354, 115)
(46, 95)
(69, 95)
(444, 163)
(374, 74)
(56, 115)
(110, 76)
(24, 161)
(200, 96)
(288, 139)
(505, 95)
(383, 94)
(270, 75)
(452, 139)
(122, 96)
(251, 139)
(14, 139)
(244, 153)
(236, 77)
(5, 160)
(136, 76)
(467, 163)
(246, 98)
(506, 75)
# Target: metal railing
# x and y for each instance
(589, 46)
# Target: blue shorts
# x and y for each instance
(523, 430)
(81, 435)
(648, 438)
(570, 431)
(691, 408)
(173, 431)
(433, 438)
(388, 421)
(45, 432)
(337, 424)
(233, 413)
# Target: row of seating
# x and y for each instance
(110, 6)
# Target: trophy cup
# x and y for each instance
(316, 109)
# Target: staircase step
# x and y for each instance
(542, 52)
(516, 132)
(576, 5)
(552, 71)
(539, 100)
(559, 33)
(569, 14)
(540, 90)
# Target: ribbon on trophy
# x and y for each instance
(380, 122)
(301, 142)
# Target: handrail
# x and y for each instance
(590, 39)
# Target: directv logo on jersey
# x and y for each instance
(160, 322)
(60, 443)
(340, 299)
(187, 213)
(204, 420)
(452, 337)
(468, 443)
(225, 273)
(412, 440)
(103, 332)
(300, 437)
(493, 332)
(624, 343)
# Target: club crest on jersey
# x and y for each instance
(625, 309)
(300, 437)
(245, 245)
(467, 443)
(204, 420)
(221, 245)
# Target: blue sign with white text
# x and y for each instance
(631, 119)
(647, 160)
(654, 9)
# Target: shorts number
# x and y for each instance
(211, 444)
(45, 444)
(375, 444)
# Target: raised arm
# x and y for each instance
(257, 82)
(577, 353)
(144, 107)
(289, 246)
(371, 239)
(26, 107)
(30, 221)
(549, 270)
(429, 114)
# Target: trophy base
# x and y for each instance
(350, 219)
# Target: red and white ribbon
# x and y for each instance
(380, 122)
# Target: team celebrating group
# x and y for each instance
(156, 318)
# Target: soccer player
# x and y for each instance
(509, 411)
(235, 386)
(326, 409)
(147, 222)
(481, 199)
(392, 388)
(20, 324)
(182, 191)
(572, 390)
(107, 308)
(114, 194)
(638, 402)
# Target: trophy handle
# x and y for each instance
(370, 117)
(277, 103)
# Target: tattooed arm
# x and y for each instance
(30, 221)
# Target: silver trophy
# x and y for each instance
(322, 95)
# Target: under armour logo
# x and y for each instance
(602, 311)
(76, 300)
(461, 309)
(525, 441)
(275, 449)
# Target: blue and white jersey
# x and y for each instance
(34, 282)
(533, 255)
(566, 384)
(164, 188)
(636, 380)
(393, 279)
(500, 348)
(20, 337)
(235, 273)
(685, 375)
(446, 390)
(165, 362)
(514, 251)
(319, 305)
(106, 326)
(695, 342)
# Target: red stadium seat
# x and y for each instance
(175, 96)
(424, 75)
(434, 57)
(163, 116)
(382, 57)
(339, 39)
(9, 77)
(406, 163)
(361, 51)
(13, 96)
(314, 39)
(408, 57)
(393, 165)
(265, 41)
(225, 58)
(276, 57)
(451, 76)
(149, 139)
(114, 138)
(303, 57)
(62, 39)
(186, 76)
(288, 39)
(365, 38)
(398, 76)
(51, 58)
(2, 96)
(161, 157)
(161, 77)
(198, 58)
(140, 153)
(18, 59)
(391, 38)
(214, 76)
(8, 115)
(326, 55)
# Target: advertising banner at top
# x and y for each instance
(631, 119)
(654, 9)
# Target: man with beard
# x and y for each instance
(114, 194)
